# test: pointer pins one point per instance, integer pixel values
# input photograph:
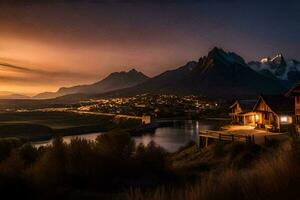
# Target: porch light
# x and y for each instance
(256, 118)
(283, 119)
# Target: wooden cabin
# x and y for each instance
(295, 94)
(274, 112)
(242, 112)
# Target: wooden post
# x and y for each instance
(265, 137)
(206, 142)
(198, 142)
(232, 138)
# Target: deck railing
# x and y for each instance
(206, 136)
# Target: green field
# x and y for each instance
(44, 125)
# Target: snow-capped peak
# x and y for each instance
(278, 56)
(277, 59)
(277, 66)
(265, 60)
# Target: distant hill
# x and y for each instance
(220, 74)
(115, 81)
(10, 95)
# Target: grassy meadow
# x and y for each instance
(38, 125)
(273, 174)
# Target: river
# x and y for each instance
(170, 138)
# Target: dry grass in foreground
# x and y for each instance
(275, 176)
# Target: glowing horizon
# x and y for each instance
(66, 44)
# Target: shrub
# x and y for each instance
(218, 149)
(151, 158)
(7, 145)
(12, 182)
(110, 164)
(49, 170)
(82, 164)
(118, 144)
(13, 166)
(28, 153)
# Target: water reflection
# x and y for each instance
(67, 139)
(180, 134)
(170, 138)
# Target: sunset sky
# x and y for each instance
(44, 46)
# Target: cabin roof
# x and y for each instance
(246, 105)
(294, 91)
(279, 104)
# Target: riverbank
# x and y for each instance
(168, 122)
(43, 126)
(171, 137)
(150, 128)
(223, 118)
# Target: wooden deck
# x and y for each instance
(247, 135)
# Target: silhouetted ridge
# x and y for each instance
(114, 81)
(220, 74)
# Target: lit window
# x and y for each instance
(284, 119)
(256, 118)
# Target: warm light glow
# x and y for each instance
(256, 118)
(284, 119)
(81, 42)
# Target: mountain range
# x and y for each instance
(114, 81)
(220, 74)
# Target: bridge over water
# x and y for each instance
(144, 119)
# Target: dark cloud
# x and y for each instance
(42, 73)
(20, 80)
(16, 67)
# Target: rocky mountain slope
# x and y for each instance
(219, 74)
(286, 70)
